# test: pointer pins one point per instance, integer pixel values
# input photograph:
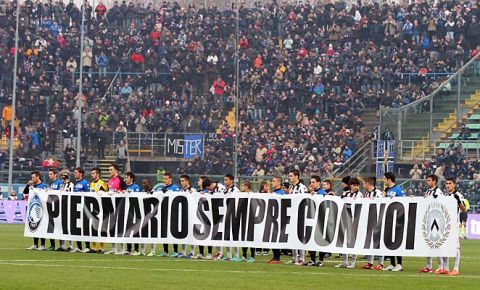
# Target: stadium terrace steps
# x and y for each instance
(445, 129)
(444, 119)
(105, 163)
(230, 119)
(371, 120)
(4, 140)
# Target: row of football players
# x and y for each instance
(351, 188)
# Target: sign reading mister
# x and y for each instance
(400, 227)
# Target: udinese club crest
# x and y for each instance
(35, 213)
(436, 225)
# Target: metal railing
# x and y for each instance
(430, 116)
(421, 150)
(430, 75)
(109, 89)
(154, 145)
(357, 163)
(416, 187)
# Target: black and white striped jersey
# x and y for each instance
(297, 189)
(375, 193)
(68, 186)
(188, 190)
(345, 192)
(459, 197)
(232, 189)
(356, 194)
(220, 188)
(433, 192)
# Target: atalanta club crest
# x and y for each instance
(35, 213)
(436, 225)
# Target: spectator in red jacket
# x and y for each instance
(155, 37)
(219, 87)
(330, 50)
(302, 52)
(243, 42)
(101, 9)
(137, 60)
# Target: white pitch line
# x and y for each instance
(465, 260)
(235, 271)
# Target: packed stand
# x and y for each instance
(306, 75)
(449, 163)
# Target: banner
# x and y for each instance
(409, 226)
(186, 146)
(12, 211)
(473, 226)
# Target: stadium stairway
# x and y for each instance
(445, 127)
(230, 119)
(371, 120)
(4, 140)
(104, 164)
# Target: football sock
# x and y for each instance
(456, 264)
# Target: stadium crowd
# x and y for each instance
(448, 163)
(306, 75)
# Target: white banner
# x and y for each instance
(408, 226)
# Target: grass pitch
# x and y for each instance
(22, 269)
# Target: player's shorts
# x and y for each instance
(463, 217)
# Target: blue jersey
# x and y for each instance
(279, 191)
(41, 185)
(56, 184)
(81, 186)
(171, 187)
(395, 191)
(133, 187)
(320, 191)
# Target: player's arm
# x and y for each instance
(104, 187)
(26, 190)
(460, 203)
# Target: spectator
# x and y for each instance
(101, 9)
(415, 172)
(87, 59)
(7, 114)
(101, 143)
(316, 83)
(102, 63)
(121, 154)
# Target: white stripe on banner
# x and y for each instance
(409, 226)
